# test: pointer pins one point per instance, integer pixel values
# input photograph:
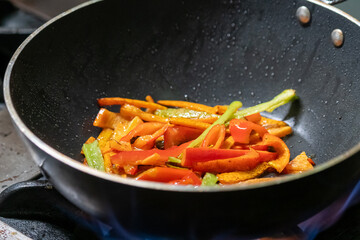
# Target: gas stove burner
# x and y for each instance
(38, 211)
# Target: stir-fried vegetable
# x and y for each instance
(209, 179)
(192, 143)
(93, 155)
(184, 113)
(281, 99)
(225, 117)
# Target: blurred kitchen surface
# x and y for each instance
(47, 9)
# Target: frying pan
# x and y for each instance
(210, 52)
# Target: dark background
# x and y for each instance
(18, 24)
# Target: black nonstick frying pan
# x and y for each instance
(210, 52)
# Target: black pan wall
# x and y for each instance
(211, 52)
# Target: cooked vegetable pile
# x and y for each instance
(188, 143)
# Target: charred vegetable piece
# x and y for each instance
(209, 179)
(281, 99)
(239, 176)
(93, 155)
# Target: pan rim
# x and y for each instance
(58, 156)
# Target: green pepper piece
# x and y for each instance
(209, 179)
(93, 155)
(183, 113)
(281, 99)
(223, 118)
(174, 160)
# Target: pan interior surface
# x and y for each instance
(210, 52)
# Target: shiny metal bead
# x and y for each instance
(303, 15)
(337, 37)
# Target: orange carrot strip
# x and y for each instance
(122, 129)
(147, 142)
(104, 136)
(129, 110)
(142, 129)
(220, 109)
(271, 123)
(90, 140)
(106, 148)
(188, 105)
(280, 131)
(108, 119)
(210, 120)
(120, 146)
(228, 143)
(153, 159)
(107, 163)
(122, 101)
(148, 98)
(189, 123)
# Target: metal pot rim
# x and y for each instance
(145, 184)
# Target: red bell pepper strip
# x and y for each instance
(173, 175)
(255, 147)
(131, 157)
(147, 128)
(215, 137)
(240, 163)
(193, 155)
(240, 130)
(177, 135)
